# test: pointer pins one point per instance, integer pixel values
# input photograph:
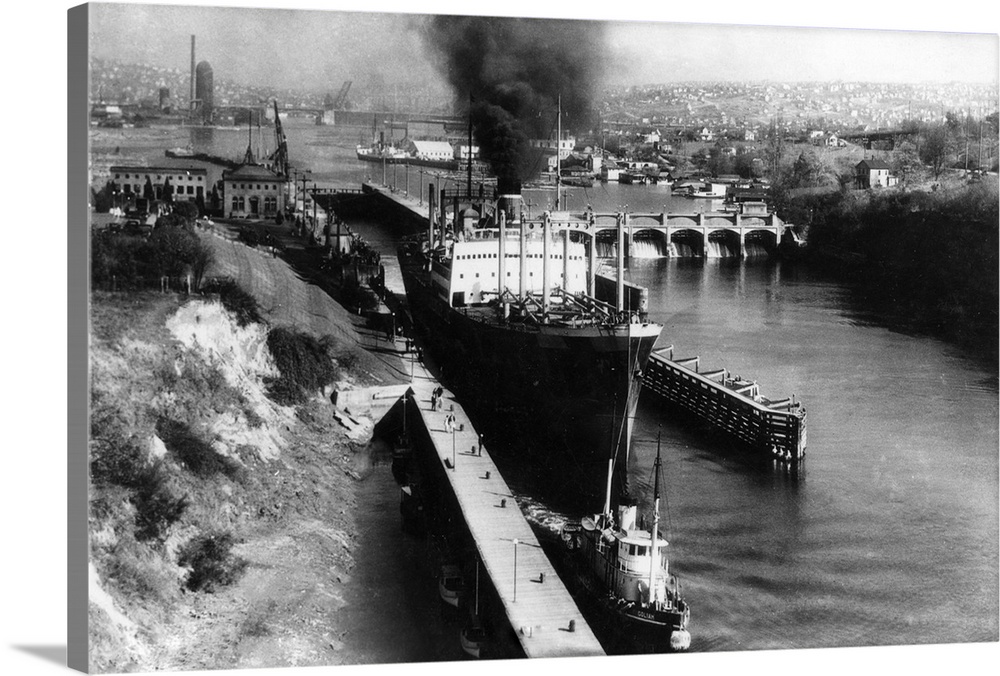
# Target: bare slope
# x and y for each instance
(179, 394)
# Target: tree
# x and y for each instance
(934, 149)
(719, 163)
(808, 171)
(147, 190)
(215, 200)
(905, 160)
(168, 190)
(746, 167)
(186, 210)
(774, 148)
(102, 200)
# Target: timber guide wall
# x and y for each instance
(771, 429)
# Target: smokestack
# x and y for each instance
(191, 100)
(516, 73)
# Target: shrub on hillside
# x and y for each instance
(196, 454)
(211, 561)
(157, 508)
(137, 572)
(303, 362)
(249, 235)
(241, 304)
(130, 262)
(116, 460)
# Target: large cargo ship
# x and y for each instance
(537, 355)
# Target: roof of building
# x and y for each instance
(872, 164)
(158, 170)
(433, 147)
(251, 172)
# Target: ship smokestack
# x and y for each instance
(511, 204)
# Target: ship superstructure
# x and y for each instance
(510, 311)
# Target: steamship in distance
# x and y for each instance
(550, 365)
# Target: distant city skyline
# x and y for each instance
(282, 46)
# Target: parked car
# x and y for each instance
(137, 228)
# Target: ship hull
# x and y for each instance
(556, 388)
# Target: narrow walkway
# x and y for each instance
(539, 607)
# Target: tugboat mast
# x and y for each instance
(653, 560)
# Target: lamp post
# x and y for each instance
(515, 570)
(453, 447)
(421, 193)
(314, 206)
(303, 173)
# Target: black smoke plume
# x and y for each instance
(515, 70)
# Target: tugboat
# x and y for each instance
(629, 564)
(451, 584)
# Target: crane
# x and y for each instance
(338, 103)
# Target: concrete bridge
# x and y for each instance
(729, 231)
(732, 231)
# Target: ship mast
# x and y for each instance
(654, 557)
(611, 460)
(468, 181)
(558, 149)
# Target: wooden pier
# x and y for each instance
(771, 429)
(539, 608)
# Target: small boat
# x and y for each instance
(378, 153)
(713, 191)
(474, 635)
(473, 638)
(186, 151)
(629, 564)
(451, 584)
(577, 181)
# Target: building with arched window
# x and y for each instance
(253, 191)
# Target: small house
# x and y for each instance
(873, 173)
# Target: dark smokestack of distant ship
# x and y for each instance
(515, 70)
(191, 100)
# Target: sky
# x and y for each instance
(315, 48)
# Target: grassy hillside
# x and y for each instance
(222, 510)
